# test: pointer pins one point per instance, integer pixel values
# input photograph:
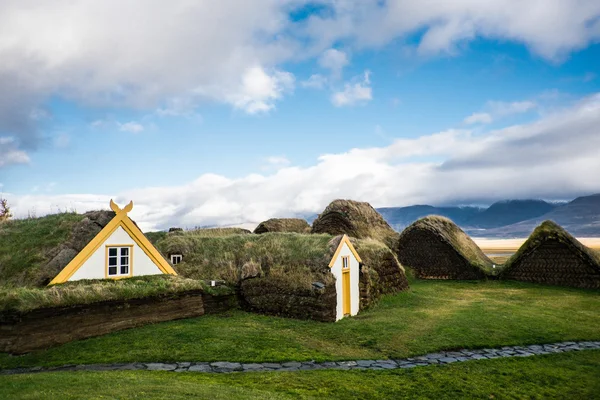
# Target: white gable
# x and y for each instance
(336, 270)
(95, 266)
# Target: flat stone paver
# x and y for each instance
(438, 358)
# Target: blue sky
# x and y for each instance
(279, 111)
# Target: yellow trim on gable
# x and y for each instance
(141, 240)
(345, 239)
(120, 220)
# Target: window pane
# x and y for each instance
(112, 260)
(112, 251)
(124, 260)
(124, 270)
(124, 251)
(112, 270)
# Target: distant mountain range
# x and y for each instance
(508, 218)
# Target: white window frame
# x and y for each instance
(120, 257)
(176, 256)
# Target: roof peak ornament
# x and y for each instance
(116, 209)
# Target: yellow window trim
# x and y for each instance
(346, 240)
(106, 275)
(120, 220)
(347, 258)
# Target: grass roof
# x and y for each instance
(26, 246)
(224, 257)
(25, 299)
(211, 232)
(551, 231)
(296, 225)
(356, 219)
(450, 233)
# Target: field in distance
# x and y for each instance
(500, 250)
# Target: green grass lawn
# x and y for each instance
(433, 315)
(560, 376)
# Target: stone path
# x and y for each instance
(444, 357)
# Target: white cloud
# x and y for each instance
(548, 158)
(275, 163)
(334, 60)
(278, 160)
(479, 118)
(498, 109)
(259, 90)
(315, 81)
(10, 154)
(551, 29)
(132, 127)
(91, 53)
(354, 93)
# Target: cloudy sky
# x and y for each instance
(206, 112)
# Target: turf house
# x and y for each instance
(436, 248)
(552, 256)
(297, 225)
(119, 250)
(355, 219)
(307, 276)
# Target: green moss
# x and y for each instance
(223, 257)
(24, 244)
(92, 291)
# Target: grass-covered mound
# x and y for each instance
(236, 257)
(23, 299)
(34, 250)
(276, 271)
(296, 225)
(356, 219)
(436, 248)
(155, 236)
(212, 232)
(389, 276)
(552, 256)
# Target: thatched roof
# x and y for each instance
(356, 219)
(436, 248)
(296, 225)
(34, 250)
(551, 255)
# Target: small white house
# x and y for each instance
(345, 266)
(119, 250)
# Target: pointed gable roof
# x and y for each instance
(345, 240)
(122, 220)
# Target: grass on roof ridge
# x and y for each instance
(550, 230)
(452, 234)
(25, 242)
(20, 300)
(360, 220)
(224, 257)
(297, 225)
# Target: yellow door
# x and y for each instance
(346, 291)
